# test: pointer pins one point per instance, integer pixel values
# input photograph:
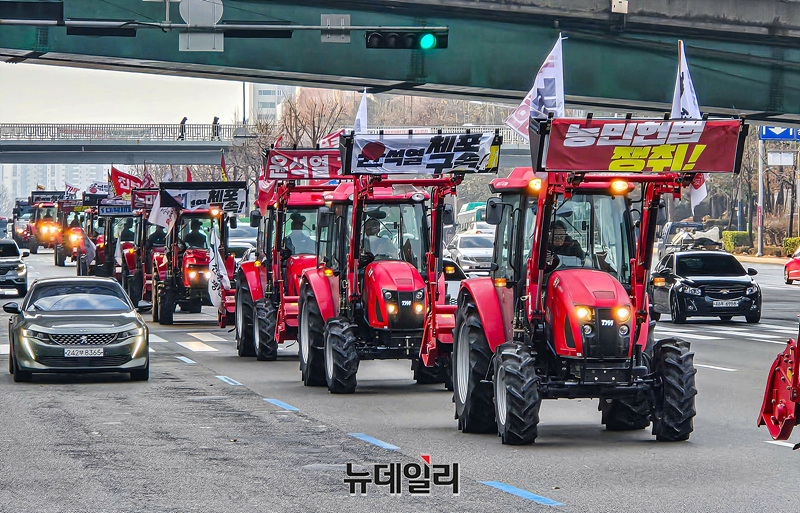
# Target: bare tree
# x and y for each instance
(311, 115)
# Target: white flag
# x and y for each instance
(162, 216)
(219, 275)
(546, 95)
(686, 106)
(89, 249)
(168, 176)
(360, 125)
(118, 252)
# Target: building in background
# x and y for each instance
(21, 179)
(265, 100)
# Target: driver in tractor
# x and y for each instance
(566, 250)
(158, 238)
(127, 235)
(297, 241)
(76, 221)
(196, 238)
(375, 243)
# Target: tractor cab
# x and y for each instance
(21, 216)
(149, 240)
(43, 227)
(564, 312)
(115, 245)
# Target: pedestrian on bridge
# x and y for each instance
(215, 129)
(182, 135)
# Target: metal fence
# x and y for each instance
(115, 132)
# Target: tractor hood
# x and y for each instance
(589, 288)
(394, 275)
(196, 256)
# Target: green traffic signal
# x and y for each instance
(427, 41)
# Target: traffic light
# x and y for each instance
(406, 40)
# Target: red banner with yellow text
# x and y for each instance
(630, 146)
(288, 164)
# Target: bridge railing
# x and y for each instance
(115, 132)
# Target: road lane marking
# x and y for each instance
(778, 442)
(519, 492)
(792, 329)
(197, 347)
(230, 381)
(281, 404)
(4, 348)
(726, 369)
(156, 338)
(687, 334)
(207, 337)
(185, 360)
(374, 441)
(151, 349)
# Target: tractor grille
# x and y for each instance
(94, 339)
(98, 361)
(730, 292)
(606, 343)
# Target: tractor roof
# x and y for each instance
(344, 191)
(519, 178)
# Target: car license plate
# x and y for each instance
(83, 351)
(725, 304)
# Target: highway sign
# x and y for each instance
(777, 133)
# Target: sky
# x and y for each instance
(33, 93)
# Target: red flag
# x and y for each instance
(147, 180)
(223, 173)
(332, 140)
(277, 142)
(123, 182)
(189, 174)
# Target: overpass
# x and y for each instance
(35, 143)
(744, 53)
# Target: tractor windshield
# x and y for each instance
(592, 231)
(195, 232)
(394, 232)
(299, 231)
(124, 229)
(46, 213)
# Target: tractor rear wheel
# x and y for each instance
(341, 358)
(471, 357)
(625, 414)
(243, 324)
(673, 366)
(59, 256)
(310, 340)
(516, 394)
(266, 343)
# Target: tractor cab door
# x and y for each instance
(333, 242)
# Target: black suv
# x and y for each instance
(703, 283)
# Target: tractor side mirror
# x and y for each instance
(452, 271)
(324, 214)
(751, 271)
(447, 214)
(494, 211)
(234, 222)
(144, 307)
(12, 308)
(255, 218)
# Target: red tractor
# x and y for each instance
(115, 246)
(68, 240)
(43, 229)
(200, 214)
(267, 288)
(564, 313)
(379, 290)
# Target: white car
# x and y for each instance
(472, 251)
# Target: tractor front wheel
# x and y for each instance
(310, 340)
(166, 307)
(341, 358)
(244, 319)
(673, 365)
(265, 341)
(471, 357)
(516, 394)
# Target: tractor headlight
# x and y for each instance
(392, 309)
(752, 289)
(584, 313)
(418, 307)
(20, 230)
(74, 238)
(622, 313)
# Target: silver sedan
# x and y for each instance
(77, 325)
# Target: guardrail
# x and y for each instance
(115, 132)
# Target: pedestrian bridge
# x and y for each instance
(37, 143)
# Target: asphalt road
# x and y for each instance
(190, 441)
